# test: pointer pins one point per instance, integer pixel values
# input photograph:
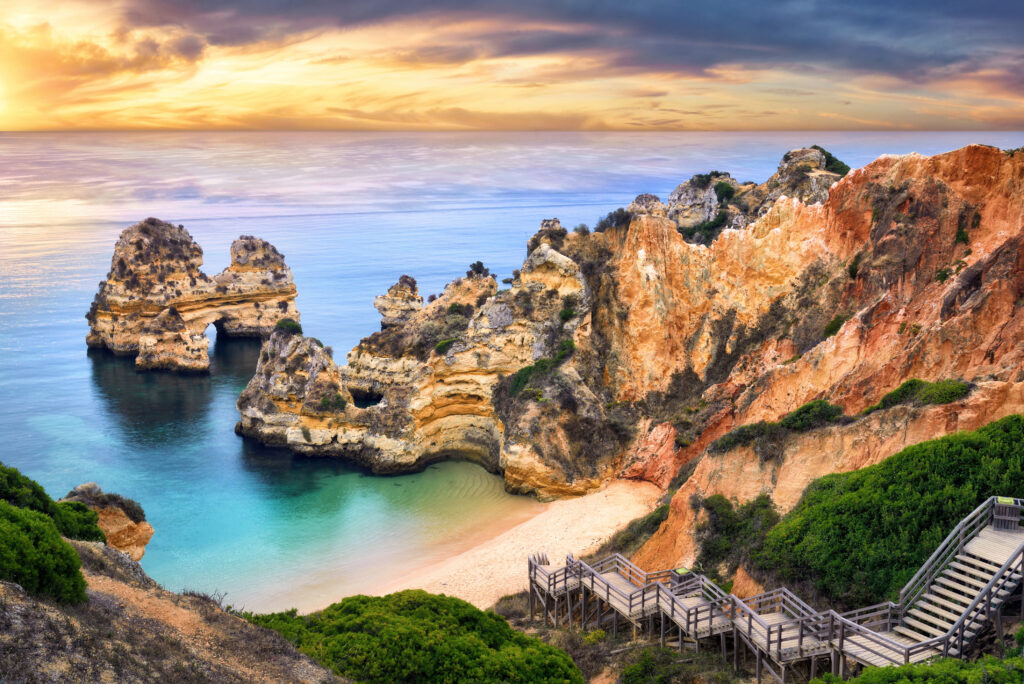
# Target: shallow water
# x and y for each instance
(351, 212)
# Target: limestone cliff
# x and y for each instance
(626, 352)
(923, 261)
(122, 520)
(156, 303)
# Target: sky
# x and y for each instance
(511, 65)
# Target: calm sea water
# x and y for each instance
(351, 212)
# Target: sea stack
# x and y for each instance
(156, 303)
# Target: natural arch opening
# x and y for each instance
(365, 398)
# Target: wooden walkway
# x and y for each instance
(960, 592)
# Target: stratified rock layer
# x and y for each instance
(156, 303)
(625, 353)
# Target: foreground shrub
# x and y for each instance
(891, 516)
(416, 636)
(987, 670)
(72, 519)
(33, 555)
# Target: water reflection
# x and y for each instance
(152, 407)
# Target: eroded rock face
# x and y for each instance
(924, 255)
(122, 520)
(627, 352)
(156, 303)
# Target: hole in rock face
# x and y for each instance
(365, 398)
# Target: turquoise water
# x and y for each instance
(351, 212)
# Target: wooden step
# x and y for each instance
(979, 561)
(966, 580)
(972, 571)
(954, 584)
(944, 616)
(924, 627)
(951, 595)
(911, 634)
(934, 603)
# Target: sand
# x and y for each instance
(497, 566)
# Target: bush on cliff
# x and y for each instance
(891, 516)
(920, 392)
(831, 162)
(767, 437)
(416, 636)
(72, 519)
(289, 326)
(614, 219)
(33, 554)
(726, 536)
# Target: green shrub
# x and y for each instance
(707, 230)
(727, 535)
(443, 346)
(75, 520)
(813, 414)
(962, 236)
(659, 665)
(921, 392)
(943, 392)
(833, 326)
(567, 314)
(288, 325)
(891, 516)
(72, 519)
(703, 180)
(987, 670)
(614, 219)
(477, 269)
(724, 191)
(831, 163)
(745, 435)
(540, 368)
(33, 555)
(942, 275)
(416, 636)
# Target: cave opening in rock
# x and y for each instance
(365, 398)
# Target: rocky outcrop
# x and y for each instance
(122, 520)
(156, 303)
(710, 202)
(131, 630)
(627, 352)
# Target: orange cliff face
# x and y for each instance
(936, 293)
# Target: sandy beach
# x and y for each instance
(497, 566)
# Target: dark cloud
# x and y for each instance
(909, 39)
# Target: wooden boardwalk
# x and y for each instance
(960, 592)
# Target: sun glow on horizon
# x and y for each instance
(81, 65)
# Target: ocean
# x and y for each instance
(351, 212)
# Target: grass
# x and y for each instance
(443, 346)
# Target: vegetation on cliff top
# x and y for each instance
(910, 500)
(832, 164)
(767, 437)
(32, 551)
(921, 392)
(289, 326)
(415, 636)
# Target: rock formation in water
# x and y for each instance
(156, 303)
(627, 352)
(122, 520)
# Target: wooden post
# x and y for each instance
(757, 667)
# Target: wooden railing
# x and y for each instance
(804, 625)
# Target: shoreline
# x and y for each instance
(496, 566)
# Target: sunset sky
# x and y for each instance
(529, 64)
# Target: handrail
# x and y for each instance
(840, 624)
(925, 571)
